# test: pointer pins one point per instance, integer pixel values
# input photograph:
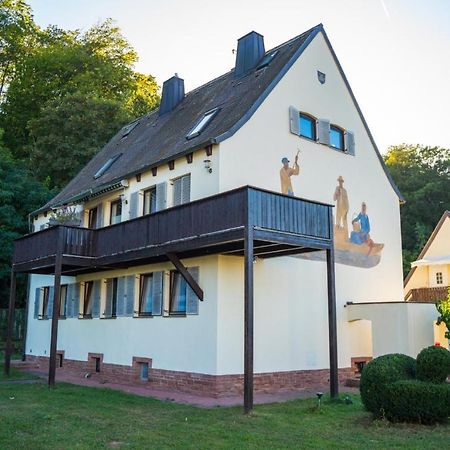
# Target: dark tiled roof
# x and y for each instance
(158, 139)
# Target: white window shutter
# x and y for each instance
(350, 143)
(294, 120)
(158, 289)
(186, 189)
(134, 205)
(191, 296)
(161, 196)
(323, 131)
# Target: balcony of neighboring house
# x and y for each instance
(427, 294)
(280, 225)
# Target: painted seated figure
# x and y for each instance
(361, 228)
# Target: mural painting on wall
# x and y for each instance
(354, 248)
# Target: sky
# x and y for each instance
(395, 53)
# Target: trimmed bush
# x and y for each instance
(379, 372)
(416, 401)
(433, 364)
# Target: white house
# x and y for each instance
(130, 311)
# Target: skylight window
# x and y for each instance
(106, 166)
(202, 123)
(129, 128)
(267, 60)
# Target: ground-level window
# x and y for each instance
(62, 300)
(143, 371)
(111, 298)
(178, 291)
(336, 137)
(146, 295)
(44, 302)
(116, 212)
(439, 278)
(307, 126)
(149, 201)
(88, 299)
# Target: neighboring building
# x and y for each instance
(428, 280)
(176, 181)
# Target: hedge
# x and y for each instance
(433, 364)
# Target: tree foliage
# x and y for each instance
(443, 308)
(422, 174)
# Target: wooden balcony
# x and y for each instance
(430, 295)
(281, 225)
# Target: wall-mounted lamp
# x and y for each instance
(208, 165)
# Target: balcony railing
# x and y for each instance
(432, 294)
(210, 217)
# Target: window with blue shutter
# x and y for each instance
(146, 295)
(158, 293)
(50, 297)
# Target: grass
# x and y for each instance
(75, 417)
(14, 373)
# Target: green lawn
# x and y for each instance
(34, 417)
(14, 373)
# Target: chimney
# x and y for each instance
(172, 94)
(249, 52)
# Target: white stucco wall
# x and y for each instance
(174, 343)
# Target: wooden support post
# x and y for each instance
(12, 306)
(56, 306)
(332, 326)
(186, 275)
(248, 319)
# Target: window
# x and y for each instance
(336, 137)
(111, 298)
(439, 278)
(182, 190)
(143, 371)
(307, 126)
(116, 212)
(178, 291)
(129, 128)
(92, 221)
(45, 299)
(149, 201)
(267, 60)
(62, 301)
(146, 295)
(88, 299)
(106, 166)
(202, 123)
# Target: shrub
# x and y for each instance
(416, 401)
(433, 364)
(379, 372)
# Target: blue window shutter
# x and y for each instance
(108, 300)
(294, 120)
(186, 189)
(49, 312)
(129, 299)
(323, 131)
(100, 215)
(37, 302)
(350, 143)
(191, 297)
(76, 300)
(69, 300)
(121, 296)
(134, 205)
(96, 297)
(161, 196)
(177, 192)
(158, 290)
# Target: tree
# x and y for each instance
(20, 194)
(422, 174)
(443, 308)
(69, 132)
(97, 64)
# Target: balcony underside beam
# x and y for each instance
(185, 274)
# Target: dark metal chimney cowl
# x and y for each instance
(250, 51)
(172, 94)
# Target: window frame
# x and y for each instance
(112, 203)
(63, 300)
(439, 278)
(341, 131)
(88, 299)
(151, 190)
(314, 120)
(142, 277)
(174, 274)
